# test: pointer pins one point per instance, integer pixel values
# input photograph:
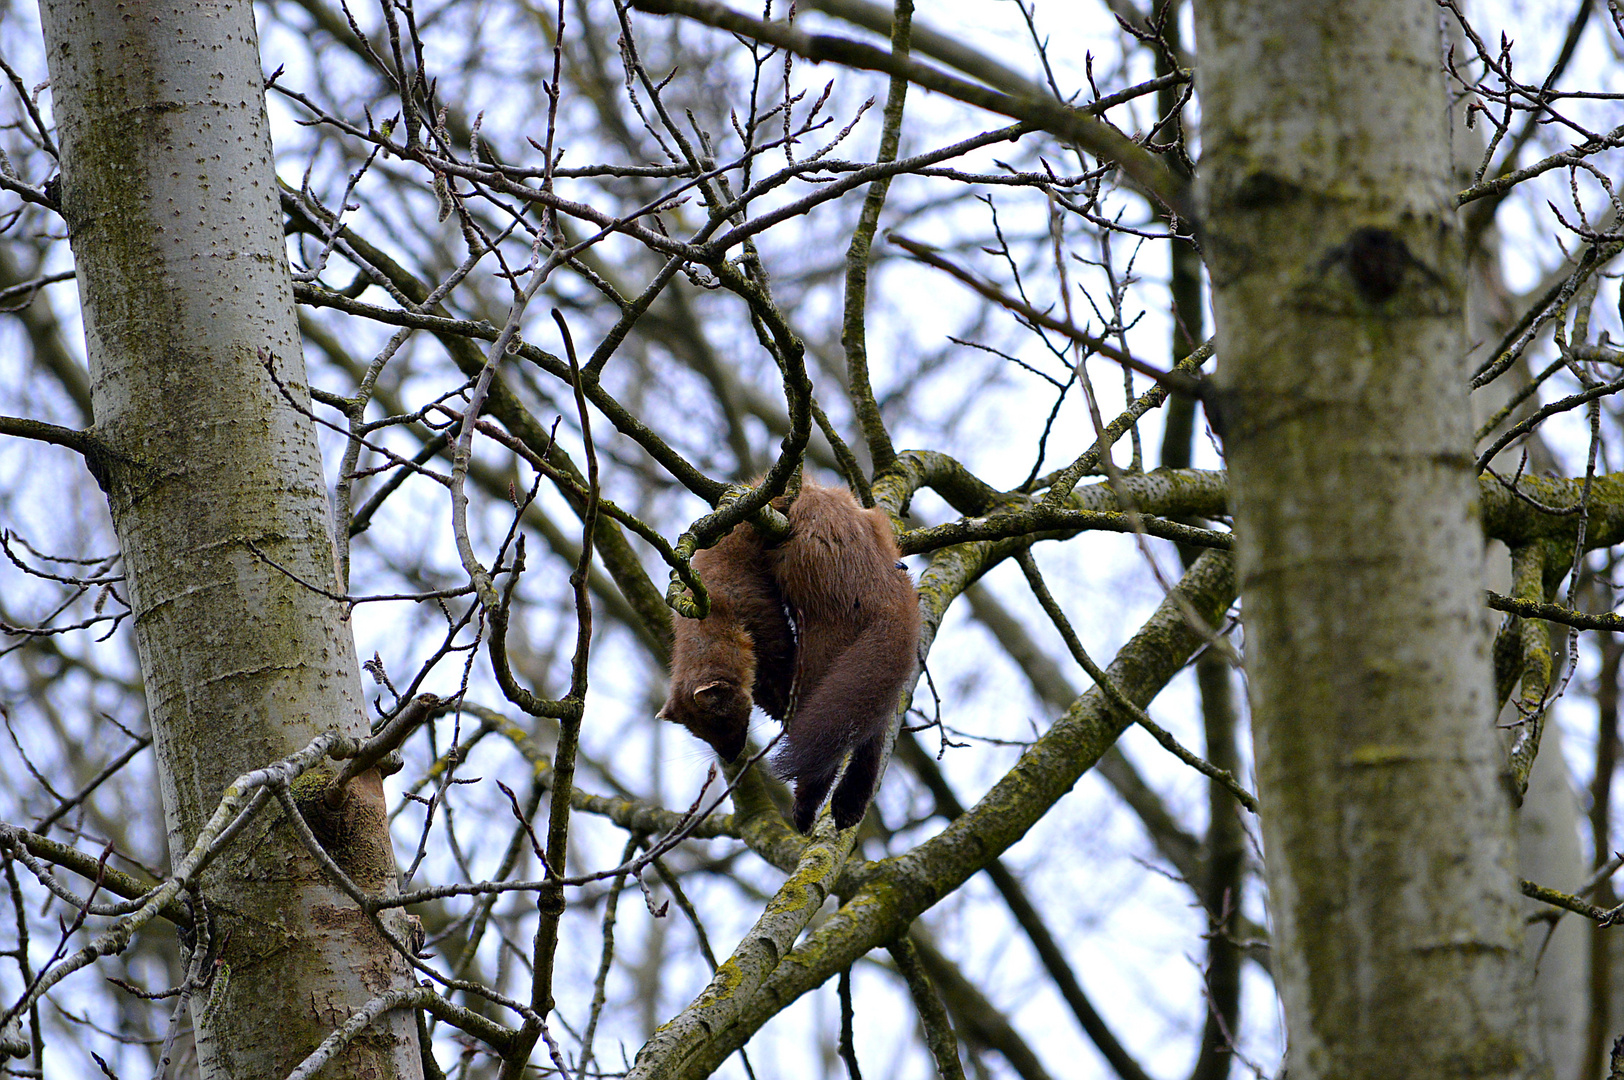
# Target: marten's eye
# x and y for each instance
(901, 565)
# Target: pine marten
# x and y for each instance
(836, 673)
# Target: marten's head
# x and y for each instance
(710, 696)
(718, 712)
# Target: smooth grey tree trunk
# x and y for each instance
(171, 202)
(1548, 850)
(1338, 295)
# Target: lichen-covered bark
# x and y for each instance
(171, 203)
(1336, 269)
(894, 892)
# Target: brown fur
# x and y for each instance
(838, 574)
(858, 617)
(743, 650)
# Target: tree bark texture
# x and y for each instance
(1336, 264)
(171, 201)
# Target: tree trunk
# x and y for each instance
(171, 203)
(1336, 264)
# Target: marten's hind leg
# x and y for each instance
(810, 788)
(856, 788)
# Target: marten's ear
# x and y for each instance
(713, 692)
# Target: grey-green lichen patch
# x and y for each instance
(808, 885)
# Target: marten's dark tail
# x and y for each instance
(850, 708)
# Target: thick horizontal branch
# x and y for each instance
(97, 454)
(1517, 518)
(1039, 520)
(1533, 609)
(39, 196)
(1567, 902)
(90, 868)
(72, 438)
